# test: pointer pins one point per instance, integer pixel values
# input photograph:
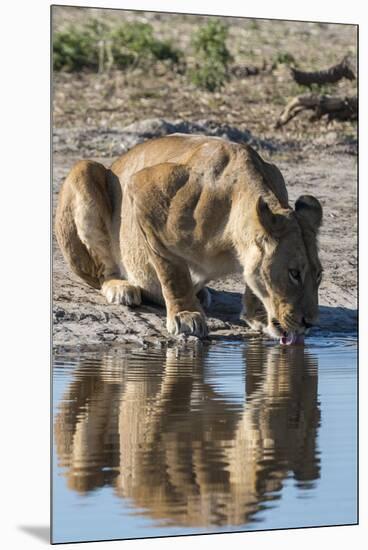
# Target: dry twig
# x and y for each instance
(326, 76)
(339, 108)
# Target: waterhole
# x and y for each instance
(228, 437)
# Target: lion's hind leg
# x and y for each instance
(119, 291)
(83, 227)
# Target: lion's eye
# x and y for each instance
(294, 275)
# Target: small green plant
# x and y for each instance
(75, 49)
(210, 41)
(136, 43)
(95, 46)
(210, 76)
(213, 56)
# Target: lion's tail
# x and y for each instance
(82, 220)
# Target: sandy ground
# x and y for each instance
(82, 317)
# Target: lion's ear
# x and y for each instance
(309, 209)
(274, 224)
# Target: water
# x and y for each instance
(232, 437)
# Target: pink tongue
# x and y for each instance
(292, 339)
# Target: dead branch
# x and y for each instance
(326, 76)
(338, 108)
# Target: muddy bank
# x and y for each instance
(82, 317)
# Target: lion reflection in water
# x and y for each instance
(160, 434)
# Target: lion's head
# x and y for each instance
(282, 267)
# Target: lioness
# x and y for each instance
(174, 213)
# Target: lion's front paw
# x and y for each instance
(254, 324)
(188, 322)
(254, 315)
(121, 292)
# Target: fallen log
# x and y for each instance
(338, 108)
(327, 76)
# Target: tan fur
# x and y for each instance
(174, 213)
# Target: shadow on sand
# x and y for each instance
(227, 306)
